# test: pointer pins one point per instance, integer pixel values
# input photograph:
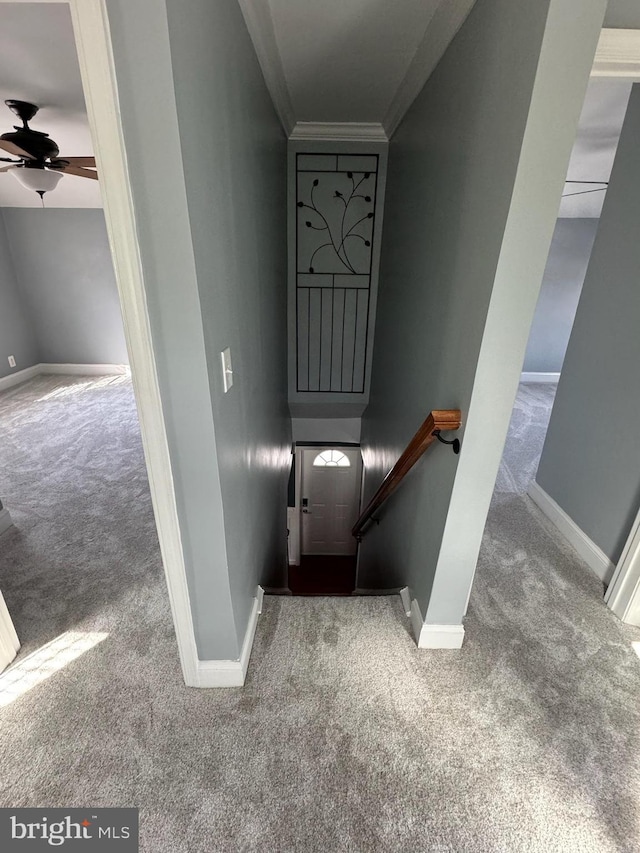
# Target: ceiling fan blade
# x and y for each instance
(9, 146)
(80, 161)
(79, 171)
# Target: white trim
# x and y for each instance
(441, 637)
(93, 42)
(231, 673)
(623, 594)
(5, 520)
(19, 376)
(429, 636)
(540, 377)
(617, 54)
(445, 23)
(339, 131)
(257, 17)
(85, 369)
(9, 642)
(405, 597)
(592, 555)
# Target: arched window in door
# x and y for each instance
(331, 459)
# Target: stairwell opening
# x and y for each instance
(324, 503)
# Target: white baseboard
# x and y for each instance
(434, 636)
(19, 377)
(593, 556)
(85, 369)
(231, 673)
(540, 377)
(405, 597)
(5, 520)
(441, 637)
(28, 373)
(9, 642)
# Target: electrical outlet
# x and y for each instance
(12, 361)
(227, 370)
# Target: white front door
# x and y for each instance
(9, 643)
(330, 499)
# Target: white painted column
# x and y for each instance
(566, 57)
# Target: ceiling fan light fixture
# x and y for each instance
(39, 180)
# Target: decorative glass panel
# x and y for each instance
(331, 459)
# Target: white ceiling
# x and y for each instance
(349, 61)
(38, 63)
(595, 147)
(344, 62)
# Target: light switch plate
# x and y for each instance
(227, 370)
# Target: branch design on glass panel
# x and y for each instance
(344, 216)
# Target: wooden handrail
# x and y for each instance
(445, 420)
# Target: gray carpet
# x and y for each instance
(345, 737)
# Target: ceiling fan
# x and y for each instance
(39, 167)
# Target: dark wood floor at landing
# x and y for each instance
(323, 575)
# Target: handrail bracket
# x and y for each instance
(455, 444)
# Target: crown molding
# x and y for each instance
(343, 131)
(617, 54)
(445, 23)
(257, 17)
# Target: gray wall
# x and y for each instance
(590, 464)
(238, 225)
(623, 14)
(147, 104)
(204, 226)
(17, 337)
(63, 266)
(327, 429)
(475, 176)
(559, 294)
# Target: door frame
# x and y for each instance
(623, 593)
(95, 54)
(97, 70)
